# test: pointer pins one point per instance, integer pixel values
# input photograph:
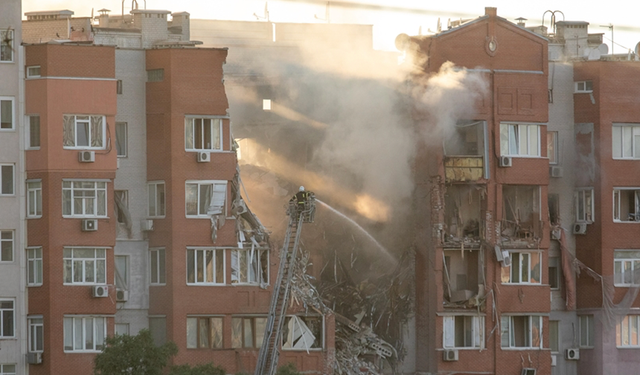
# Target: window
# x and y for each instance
(626, 141)
(584, 205)
(552, 147)
(119, 87)
(7, 369)
(204, 332)
(121, 198)
(121, 139)
(587, 330)
(6, 246)
(84, 198)
(203, 134)
(302, 333)
(85, 266)
(554, 336)
(519, 140)
(6, 45)
(554, 208)
(524, 269)
(554, 273)
(627, 332)
(463, 331)
(6, 113)
(84, 333)
(266, 104)
(6, 179)
(158, 329)
(33, 71)
(584, 86)
(155, 75)
(34, 132)
(250, 266)
(7, 318)
(122, 272)
(84, 132)
(204, 198)
(156, 199)
(36, 334)
(34, 266)
(521, 331)
(34, 199)
(122, 328)
(626, 267)
(157, 266)
(205, 266)
(626, 204)
(247, 332)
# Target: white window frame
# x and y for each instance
(627, 137)
(581, 201)
(585, 86)
(249, 276)
(552, 147)
(118, 328)
(507, 323)
(514, 135)
(86, 119)
(197, 339)
(71, 261)
(208, 271)
(191, 122)
(286, 346)
(157, 257)
(36, 333)
(152, 191)
(520, 263)
(4, 193)
(625, 328)
(557, 275)
(74, 190)
(7, 237)
(586, 330)
(30, 124)
(79, 331)
(475, 328)
(4, 311)
(122, 276)
(13, 113)
(8, 369)
(3, 46)
(34, 266)
(125, 138)
(34, 199)
(217, 186)
(626, 267)
(33, 71)
(616, 205)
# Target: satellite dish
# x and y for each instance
(594, 54)
(586, 52)
(603, 48)
(637, 49)
(402, 41)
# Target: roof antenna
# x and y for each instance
(266, 13)
(610, 26)
(553, 18)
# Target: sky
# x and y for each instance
(388, 17)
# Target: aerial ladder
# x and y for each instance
(269, 351)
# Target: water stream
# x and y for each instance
(361, 229)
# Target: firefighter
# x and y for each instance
(300, 200)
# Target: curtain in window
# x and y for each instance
(121, 207)
(68, 131)
(96, 131)
(216, 134)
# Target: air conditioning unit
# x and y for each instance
(572, 354)
(100, 291)
(506, 262)
(555, 171)
(554, 360)
(86, 156)
(204, 157)
(89, 225)
(146, 225)
(506, 161)
(579, 228)
(122, 295)
(528, 371)
(450, 355)
(34, 358)
(498, 251)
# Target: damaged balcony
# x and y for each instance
(521, 224)
(462, 215)
(465, 153)
(463, 282)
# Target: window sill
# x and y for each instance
(84, 148)
(302, 350)
(523, 348)
(32, 149)
(464, 348)
(84, 217)
(85, 284)
(625, 222)
(82, 351)
(34, 285)
(525, 284)
(34, 217)
(526, 156)
(205, 284)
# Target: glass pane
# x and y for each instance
(209, 266)
(188, 136)
(236, 332)
(513, 140)
(627, 138)
(102, 203)
(203, 334)
(200, 265)
(219, 267)
(192, 332)
(191, 267)
(160, 199)
(88, 332)
(617, 141)
(207, 133)
(90, 271)
(551, 147)
(553, 336)
(68, 334)
(152, 200)
(101, 274)
(77, 271)
(82, 134)
(34, 131)
(248, 333)
(77, 334)
(154, 266)
(533, 140)
(100, 330)
(261, 325)
(216, 332)
(206, 193)
(535, 267)
(6, 114)
(191, 191)
(162, 269)
(504, 139)
(636, 146)
(6, 177)
(536, 332)
(504, 331)
(39, 337)
(515, 267)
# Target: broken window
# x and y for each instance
(584, 205)
(461, 270)
(204, 198)
(205, 266)
(465, 151)
(463, 331)
(462, 213)
(247, 332)
(626, 141)
(521, 331)
(250, 266)
(302, 333)
(204, 332)
(524, 268)
(626, 204)
(521, 211)
(626, 267)
(519, 140)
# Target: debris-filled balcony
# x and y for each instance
(463, 282)
(464, 152)
(521, 223)
(463, 216)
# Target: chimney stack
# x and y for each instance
(491, 11)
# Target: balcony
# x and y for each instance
(464, 151)
(462, 215)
